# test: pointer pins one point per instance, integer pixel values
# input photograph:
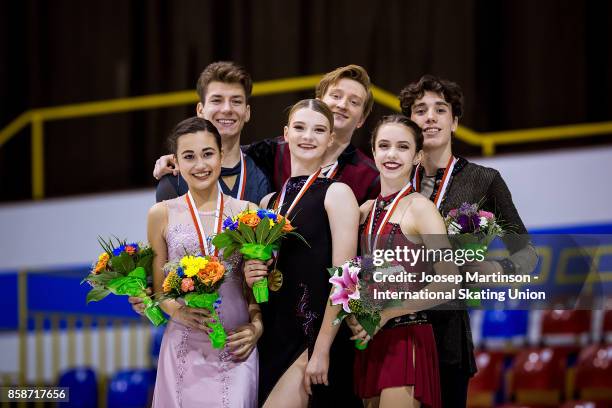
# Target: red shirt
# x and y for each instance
(355, 169)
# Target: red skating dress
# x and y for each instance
(403, 352)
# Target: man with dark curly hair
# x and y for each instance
(436, 105)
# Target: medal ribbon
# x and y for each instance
(243, 176)
(416, 180)
(331, 172)
(198, 223)
(279, 202)
(407, 189)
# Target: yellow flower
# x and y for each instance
(192, 265)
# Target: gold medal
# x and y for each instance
(275, 280)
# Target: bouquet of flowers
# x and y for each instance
(354, 289)
(197, 279)
(256, 234)
(470, 227)
(122, 270)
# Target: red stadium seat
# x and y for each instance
(537, 377)
(594, 374)
(487, 381)
(566, 328)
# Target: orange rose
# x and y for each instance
(251, 220)
(211, 273)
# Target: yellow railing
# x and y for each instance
(37, 117)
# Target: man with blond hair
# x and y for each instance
(346, 90)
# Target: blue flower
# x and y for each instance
(230, 224)
(180, 272)
(119, 250)
(265, 213)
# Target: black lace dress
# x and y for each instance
(293, 315)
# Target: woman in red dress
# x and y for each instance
(399, 367)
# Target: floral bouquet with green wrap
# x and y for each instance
(354, 288)
(196, 279)
(256, 234)
(123, 270)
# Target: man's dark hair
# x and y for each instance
(450, 91)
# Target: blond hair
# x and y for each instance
(354, 72)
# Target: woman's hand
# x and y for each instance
(316, 370)
(243, 340)
(193, 317)
(255, 270)
(137, 304)
(359, 333)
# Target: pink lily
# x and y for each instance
(346, 287)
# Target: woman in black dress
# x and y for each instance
(326, 214)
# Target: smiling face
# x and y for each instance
(346, 98)
(308, 134)
(198, 159)
(395, 151)
(225, 105)
(434, 115)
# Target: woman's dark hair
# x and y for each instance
(192, 125)
(400, 120)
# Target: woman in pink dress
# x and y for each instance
(190, 372)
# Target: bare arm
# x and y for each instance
(343, 214)
(422, 218)
(157, 222)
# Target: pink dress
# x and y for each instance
(190, 373)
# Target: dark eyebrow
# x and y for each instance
(388, 141)
(443, 104)
(186, 151)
